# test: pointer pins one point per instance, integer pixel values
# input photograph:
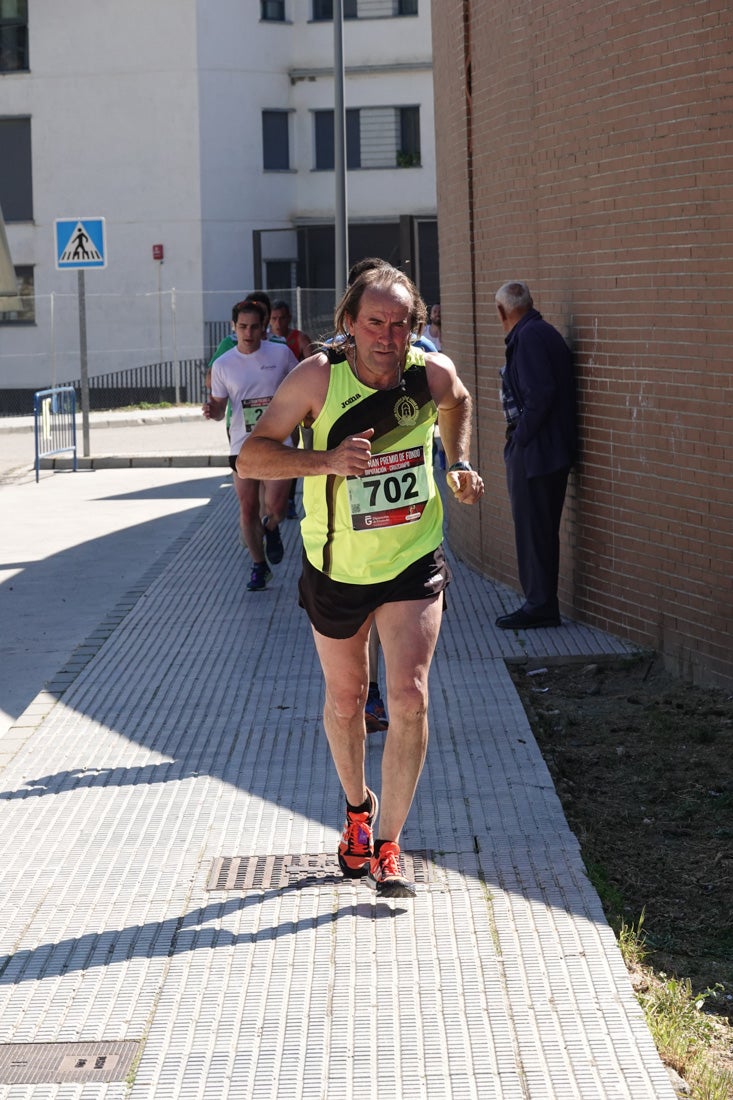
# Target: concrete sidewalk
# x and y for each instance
(177, 436)
(174, 922)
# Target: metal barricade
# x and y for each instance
(54, 420)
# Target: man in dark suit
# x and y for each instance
(538, 396)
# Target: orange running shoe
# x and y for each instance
(385, 874)
(356, 847)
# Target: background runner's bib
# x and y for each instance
(362, 530)
(252, 410)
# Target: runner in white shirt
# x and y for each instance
(248, 376)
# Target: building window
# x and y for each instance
(272, 11)
(376, 137)
(276, 141)
(16, 179)
(408, 153)
(13, 36)
(27, 313)
(365, 9)
(323, 10)
(324, 140)
(280, 274)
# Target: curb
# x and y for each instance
(125, 462)
(110, 419)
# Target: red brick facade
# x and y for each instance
(588, 148)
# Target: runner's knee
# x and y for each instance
(409, 698)
(346, 705)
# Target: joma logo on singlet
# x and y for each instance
(350, 400)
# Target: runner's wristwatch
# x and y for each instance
(460, 466)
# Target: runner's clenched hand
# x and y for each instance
(352, 455)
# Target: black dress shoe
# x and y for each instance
(523, 620)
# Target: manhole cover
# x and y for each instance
(58, 1063)
(275, 872)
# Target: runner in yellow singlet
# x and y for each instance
(372, 536)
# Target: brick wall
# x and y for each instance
(588, 148)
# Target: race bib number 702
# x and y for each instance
(393, 490)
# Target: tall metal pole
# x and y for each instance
(53, 339)
(84, 372)
(176, 361)
(341, 230)
(160, 314)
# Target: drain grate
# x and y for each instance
(299, 871)
(59, 1063)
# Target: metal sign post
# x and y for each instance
(81, 243)
(158, 255)
(176, 360)
(83, 371)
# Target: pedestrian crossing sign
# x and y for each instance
(80, 243)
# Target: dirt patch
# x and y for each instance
(643, 765)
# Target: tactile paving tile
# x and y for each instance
(195, 732)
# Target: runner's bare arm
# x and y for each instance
(298, 400)
(454, 420)
(454, 407)
(215, 408)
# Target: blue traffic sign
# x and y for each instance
(80, 243)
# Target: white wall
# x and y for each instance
(373, 193)
(240, 74)
(114, 132)
(244, 69)
(149, 114)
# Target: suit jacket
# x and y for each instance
(539, 371)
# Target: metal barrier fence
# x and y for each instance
(174, 381)
(152, 383)
(54, 423)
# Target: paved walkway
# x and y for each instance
(173, 922)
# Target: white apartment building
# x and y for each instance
(204, 127)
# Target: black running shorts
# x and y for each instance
(337, 610)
